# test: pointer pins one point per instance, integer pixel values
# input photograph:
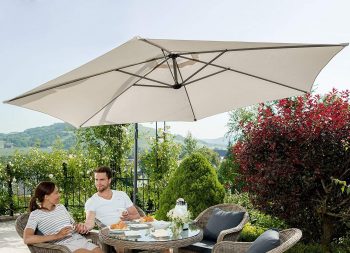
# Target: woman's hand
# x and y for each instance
(64, 232)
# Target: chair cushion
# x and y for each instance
(221, 220)
(202, 246)
(268, 240)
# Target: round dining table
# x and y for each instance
(146, 238)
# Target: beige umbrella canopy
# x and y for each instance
(147, 80)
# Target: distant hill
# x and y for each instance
(46, 136)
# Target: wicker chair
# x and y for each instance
(48, 247)
(288, 238)
(225, 235)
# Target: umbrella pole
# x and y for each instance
(135, 163)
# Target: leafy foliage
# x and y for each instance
(196, 181)
(212, 156)
(158, 163)
(228, 173)
(288, 156)
(190, 145)
(107, 145)
(259, 221)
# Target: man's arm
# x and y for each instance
(131, 214)
(89, 224)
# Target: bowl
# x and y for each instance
(160, 224)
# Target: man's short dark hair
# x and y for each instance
(104, 169)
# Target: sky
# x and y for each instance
(40, 40)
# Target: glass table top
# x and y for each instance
(148, 234)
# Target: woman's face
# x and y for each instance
(54, 197)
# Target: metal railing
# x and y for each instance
(16, 193)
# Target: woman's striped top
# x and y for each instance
(51, 222)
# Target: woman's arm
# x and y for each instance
(30, 238)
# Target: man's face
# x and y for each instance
(102, 182)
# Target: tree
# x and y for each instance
(107, 145)
(228, 172)
(212, 156)
(159, 162)
(190, 145)
(288, 157)
(196, 181)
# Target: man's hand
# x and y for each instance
(82, 228)
(125, 215)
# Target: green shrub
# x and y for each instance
(316, 248)
(250, 233)
(241, 199)
(196, 181)
(266, 221)
(256, 217)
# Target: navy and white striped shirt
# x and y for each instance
(51, 222)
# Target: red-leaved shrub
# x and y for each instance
(288, 156)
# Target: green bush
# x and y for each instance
(241, 199)
(316, 248)
(256, 217)
(250, 233)
(196, 181)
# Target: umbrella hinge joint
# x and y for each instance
(173, 56)
(177, 86)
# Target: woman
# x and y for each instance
(53, 221)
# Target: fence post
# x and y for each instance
(9, 188)
(65, 183)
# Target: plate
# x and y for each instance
(115, 230)
(132, 233)
(159, 233)
(138, 226)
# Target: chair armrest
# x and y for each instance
(231, 247)
(93, 236)
(51, 246)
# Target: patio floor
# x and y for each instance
(10, 242)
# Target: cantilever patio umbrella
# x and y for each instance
(147, 80)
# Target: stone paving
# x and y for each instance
(10, 241)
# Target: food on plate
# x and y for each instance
(146, 219)
(119, 225)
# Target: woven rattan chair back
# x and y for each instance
(203, 217)
(288, 238)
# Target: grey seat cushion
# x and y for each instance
(221, 220)
(268, 240)
(202, 246)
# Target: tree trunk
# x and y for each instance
(327, 231)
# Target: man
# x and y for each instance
(109, 206)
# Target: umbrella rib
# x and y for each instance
(168, 65)
(79, 79)
(128, 89)
(195, 73)
(247, 74)
(201, 78)
(155, 45)
(154, 68)
(265, 48)
(152, 86)
(178, 69)
(189, 101)
(143, 77)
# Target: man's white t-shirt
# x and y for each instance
(108, 211)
